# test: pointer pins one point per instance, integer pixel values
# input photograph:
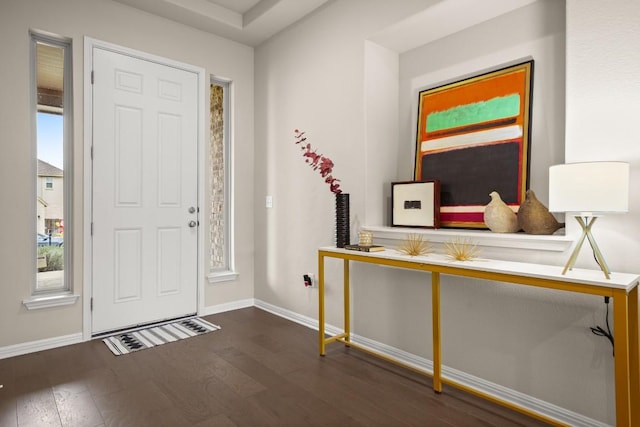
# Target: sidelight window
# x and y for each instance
(51, 65)
(221, 263)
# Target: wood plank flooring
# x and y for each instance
(258, 370)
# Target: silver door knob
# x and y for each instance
(192, 223)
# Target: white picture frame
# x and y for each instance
(415, 204)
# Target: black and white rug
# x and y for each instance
(140, 339)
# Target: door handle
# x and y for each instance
(192, 223)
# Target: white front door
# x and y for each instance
(145, 190)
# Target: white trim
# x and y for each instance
(89, 45)
(229, 306)
(307, 321)
(212, 11)
(503, 393)
(202, 156)
(88, 186)
(553, 243)
(66, 44)
(38, 302)
(224, 276)
(515, 397)
(40, 345)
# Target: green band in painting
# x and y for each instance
(478, 112)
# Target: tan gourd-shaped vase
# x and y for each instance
(535, 218)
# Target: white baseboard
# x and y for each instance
(503, 393)
(221, 308)
(309, 322)
(33, 346)
(51, 343)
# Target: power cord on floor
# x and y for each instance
(601, 332)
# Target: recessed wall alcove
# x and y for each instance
(511, 332)
(398, 65)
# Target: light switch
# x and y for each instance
(268, 202)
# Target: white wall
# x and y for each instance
(115, 23)
(381, 98)
(312, 76)
(603, 100)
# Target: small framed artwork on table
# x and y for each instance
(415, 204)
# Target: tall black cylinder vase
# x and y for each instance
(342, 219)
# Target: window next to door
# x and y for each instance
(51, 96)
(221, 262)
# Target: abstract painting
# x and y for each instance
(473, 137)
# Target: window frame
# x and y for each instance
(227, 271)
(41, 298)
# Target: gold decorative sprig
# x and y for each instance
(461, 249)
(414, 245)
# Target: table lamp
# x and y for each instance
(586, 191)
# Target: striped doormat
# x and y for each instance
(128, 342)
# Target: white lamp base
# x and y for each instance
(586, 223)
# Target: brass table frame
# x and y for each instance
(623, 288)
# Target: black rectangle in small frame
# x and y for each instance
(413, 204)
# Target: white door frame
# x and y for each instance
(87, 290)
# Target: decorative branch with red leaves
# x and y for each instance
(318, 162)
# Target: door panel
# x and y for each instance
(144, 184)
(127, 265)
(128, 156)
(169, 256)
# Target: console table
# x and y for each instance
(623, 288)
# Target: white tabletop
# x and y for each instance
(596, 278)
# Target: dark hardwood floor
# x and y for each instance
(258, 370)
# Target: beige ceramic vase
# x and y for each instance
(499, 217)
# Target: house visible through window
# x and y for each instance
(51, 58)
(221, 255)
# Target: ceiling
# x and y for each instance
(50, 65)
(441, 18)
(50, 77)
(252, 22)
(249, 22)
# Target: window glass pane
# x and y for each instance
(50, 197)
(217, 179)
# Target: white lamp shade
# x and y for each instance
(589, 188)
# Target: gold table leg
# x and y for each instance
(321, 304)
(347, 300)
(435, 313)
(634, 357)
(622, 357)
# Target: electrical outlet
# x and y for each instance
(309, 280)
